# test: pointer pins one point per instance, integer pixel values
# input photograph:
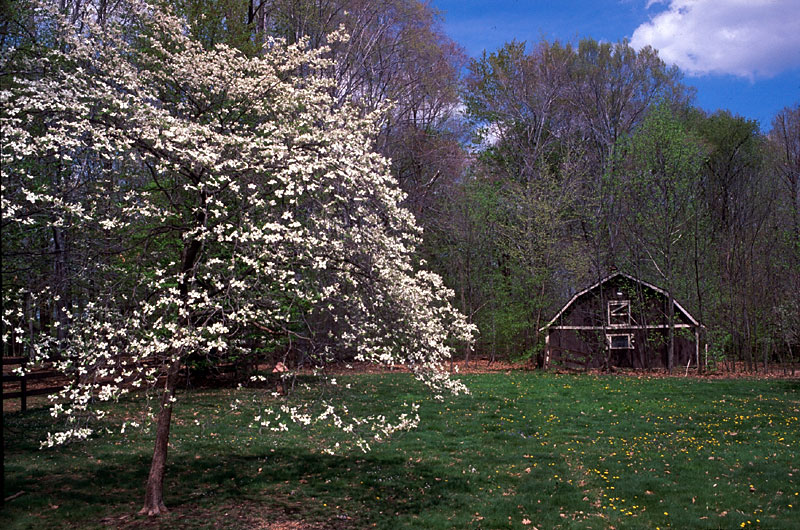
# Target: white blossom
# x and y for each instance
(274, 185)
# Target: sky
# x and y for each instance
(740, 55)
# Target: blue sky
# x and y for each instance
(740, 55)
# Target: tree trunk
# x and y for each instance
(671, 332)
(467, 312)
(698, 290)
(62, 288)
(494, 338)
(154, 494)
(605, 367)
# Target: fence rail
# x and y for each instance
(59, 379)
(24, 392)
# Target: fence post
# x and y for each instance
(23, 388)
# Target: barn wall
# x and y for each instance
(584, 349)
(647, 306)
(574, 349)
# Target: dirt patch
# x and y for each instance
(477, 366)
(741, 372)
(484, 366)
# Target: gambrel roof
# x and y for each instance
(610, 277)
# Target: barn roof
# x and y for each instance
(611, 277)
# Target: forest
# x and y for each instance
(531, 172)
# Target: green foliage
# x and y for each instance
(549, 118)
(655, 186)
(219, 22)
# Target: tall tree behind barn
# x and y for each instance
(620, 321)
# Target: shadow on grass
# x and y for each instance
(101, 483)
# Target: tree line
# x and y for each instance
(532, 170)
(591, 158)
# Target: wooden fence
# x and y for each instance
(58, 380)
(24, 392)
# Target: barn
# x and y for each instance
(623, 321)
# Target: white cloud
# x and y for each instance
(746, 38)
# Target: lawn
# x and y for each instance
(524, 450)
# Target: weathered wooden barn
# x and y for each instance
(622, 321)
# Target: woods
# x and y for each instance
(324, 182)
(590, 159)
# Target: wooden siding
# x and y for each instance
(619, 305)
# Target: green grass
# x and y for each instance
(559, 451)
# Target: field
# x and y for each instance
(524, 450)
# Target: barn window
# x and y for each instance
(619, 313)
(620, 342)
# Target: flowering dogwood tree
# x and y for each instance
(208, 196)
